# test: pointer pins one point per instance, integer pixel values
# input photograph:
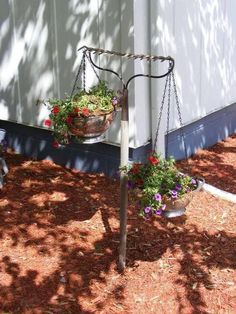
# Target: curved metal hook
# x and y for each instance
(172, 64)
(104, 69)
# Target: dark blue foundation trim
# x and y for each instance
(105, 158)
(37, 143)
(203, 133)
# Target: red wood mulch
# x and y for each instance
(59, 236)
(216, 164)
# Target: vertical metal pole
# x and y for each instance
(124, 157)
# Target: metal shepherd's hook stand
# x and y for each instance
(124, 149)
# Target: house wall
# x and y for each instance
(39, 59)
(201, 37)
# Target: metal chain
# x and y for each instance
(92, 66)
(179, 114)
(160, 114)
(169, 80)
(82, 67)
(77, 75)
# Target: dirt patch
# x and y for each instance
(59, 234)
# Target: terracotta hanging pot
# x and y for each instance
(92, 126)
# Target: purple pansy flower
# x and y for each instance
(163, 207)
(157, 197)
(173, 194)
(178, 187)
(194, 182)
(158, 211)
(114, 100)
(147, 209)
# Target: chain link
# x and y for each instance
(77, 75)
(95, 72)
(82, 67)
(160, 114)
(162, 107)
(170, 79)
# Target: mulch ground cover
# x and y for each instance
(216, 164)
(59, 237)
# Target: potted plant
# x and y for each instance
(86, 114)
(161, 189)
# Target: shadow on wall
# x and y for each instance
(201, 38)
(39, 55)
(39, 46)
(26, 65)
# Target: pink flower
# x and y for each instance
(55, 144)
(157, 197)
(69, 120)
(114, 100)
(153, 160)
(55, 109)
(85, 112)
(48, 122)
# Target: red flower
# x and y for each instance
(135, 168)
(139, 182)
(48, 122)
(55, 109)
(85, 112)
(77, 110)
(55, 144)
(69, 120)
(153, 160)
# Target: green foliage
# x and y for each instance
(159, 181)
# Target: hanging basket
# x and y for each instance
(176, 208)
(85, 115)
(92, 126)
(159, 188)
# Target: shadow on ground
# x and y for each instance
(59, 239)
